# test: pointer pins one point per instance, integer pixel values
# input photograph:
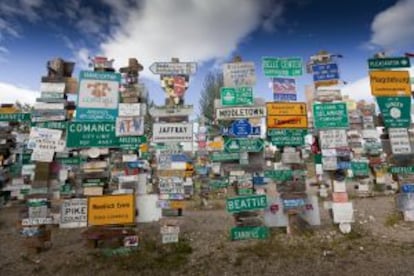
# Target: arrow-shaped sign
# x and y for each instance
(173, 68)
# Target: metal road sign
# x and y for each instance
(246, 203)
(396, 111)
(244, 145)
(233, 96)
(241, 128)
(224, 156)
(282, 108)
(249, 232)
(15, 117)
(282, 67)
(173, 68)
(228, 131)
(388, 63)
(360, 168)
(287, 137)
(325, 72)
(231, 113)
(330, 115)
(390, 83)
(402, 170)
(287, 121)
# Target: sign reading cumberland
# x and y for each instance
(390, 83)
(172, 132)
(98, 134)
(330, 115)
(231, 113)
(396, 111)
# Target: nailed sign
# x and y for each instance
(244, 144)
(400, 141)
(325, 72)
(91, 134)
(396, 111)
(173, 68)
(388, 63)
(224, 156)
(111, 210)
(232, 96)
(390, 83)
(330, 115)
(230, 113)
(333, 138)
(284, 89)
(287, 137)
(289, 121)
(282, 67)
(278, 108)
(248, 233)
(172, 132)
(246, 203)
(129, 126)
(73, 213)
(239, 74)
(15, 117)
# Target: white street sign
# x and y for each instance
(333, 138)
(230, 113)
(239, 74)
(173, 68)
(400, 141)
(172, 132)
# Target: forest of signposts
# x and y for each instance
(275, 162)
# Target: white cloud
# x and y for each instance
(394, 27)
(11, 93)
(191, 30)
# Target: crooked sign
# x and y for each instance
(173, 68)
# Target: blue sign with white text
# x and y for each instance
(241, 128)
(325, 72)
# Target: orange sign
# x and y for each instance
(390, 83)
(326, 83)
(289, 121)
(177, 204)
(111, 209)
(283, 108)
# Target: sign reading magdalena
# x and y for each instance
(230, 113)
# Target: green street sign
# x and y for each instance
(99, 134)
(235, 96)
(360, 168)
(287, 137)
(245, 191)
(282, 67)
(396, 111)
(249, 232)
(244, 144)
(51, 124)
(69, 161)
(26, 158)
(330, 115)
(224, 156)
(15, 117)
(246, 203)
(388, 63)
(402, 170)
(280, 175)
(216, 184)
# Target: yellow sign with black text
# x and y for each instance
(111, 210)
(284, 108)
(287, 121)
(390, 83)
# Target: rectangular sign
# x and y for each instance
(111, 210)
(328, 95)
(239, 74)
(244, 145)
(402, 170)
(396, 111)
(173, 68)
(231, 113)
(330, 115)
(130, 109)
(224, 156)
(98, 96)
(279, 175)
(249, 233)
(284, 86)
(53, 125)
(131, 142)
(289, 121)
(287, 137)
(15, 117)
(233, 96)
(284, 97)
(129, 126)
(333, 138)
(172, 132)
(73, 213)
(325, 72)
(390, 83)
(278, 108)
(91, 134)
(360, 168)
(53, 87)
(389, 63)
(282, 67)
(246, 203)
(400, 141)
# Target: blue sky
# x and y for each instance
(207, 31)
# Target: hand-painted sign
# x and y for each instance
(173, 68)
(231, 113)
(98, 96)
(282, 67)
(325, 72)
(244, 144)
(287, 137)
(284, 89)
(246, 203)
(389, 63)
(330, 115)
(172, 132)
(233, 96)
(239, 74)
(249, 232)
(111, 210)
(390, 83)
(396, 111)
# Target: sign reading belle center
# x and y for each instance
(111, 210)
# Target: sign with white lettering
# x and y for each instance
(172, 132)
(73, 213)
(98, 96)
(246, 203)
(91, 134)
(231, 113)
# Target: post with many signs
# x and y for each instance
(173, 134)
(390, 84)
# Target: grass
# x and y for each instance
(393, 219)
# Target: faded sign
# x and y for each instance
(73, 213)
(129, 126)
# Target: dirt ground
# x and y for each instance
(380, 244)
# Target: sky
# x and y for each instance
(209, 32)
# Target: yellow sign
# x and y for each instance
(390, 83)
(215, 145)
(326, 83)
(177, 204)
(8, 110)
(283, 108)
(174, 173)
(143, 147)
(111, 210)
(289, 121)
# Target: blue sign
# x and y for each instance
(293, 203)
(343, 165)
(241, 128)
(258, 180)
(231, 131)
(407, 188)
(325, 72)
(284, 97)
(136, 164)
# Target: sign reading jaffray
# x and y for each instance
(172, 132)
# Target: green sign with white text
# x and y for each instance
(246, 203)
(15, 117)
(396, 111)
(235, 96)
(287, 137)
(388, 63)
(282, 67)
(249, 232)
(244, 145)
(224, 156)
(330, 115)
(402, 170)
